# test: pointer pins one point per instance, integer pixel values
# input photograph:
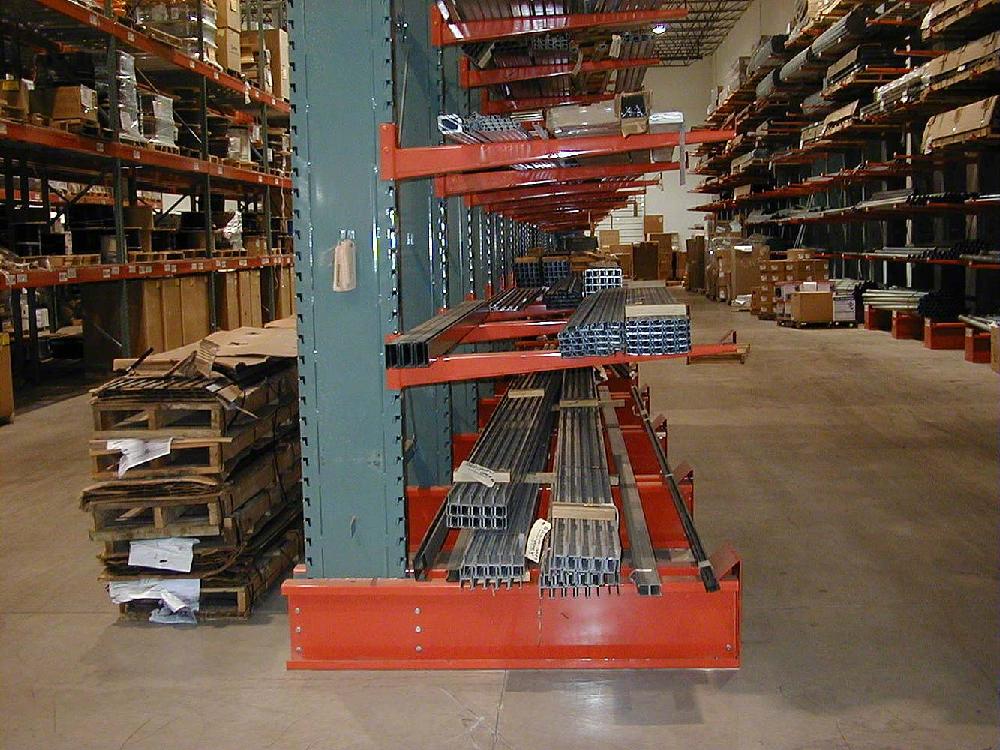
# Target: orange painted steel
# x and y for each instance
(907, 325)
(943, 335)
(137, 40)
(471, 78)
(398, 163)
(877, 319)
(39, 278)
(505, 331)
(62, 140)
(488, 106)
(555, 210)
(450, 185)
(481, 366)
(447, 32)
(355, 624)
(606, 195)
(977, 346)
(546, 191)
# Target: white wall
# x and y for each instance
(686, 90)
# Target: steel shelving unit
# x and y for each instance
(103, 158)
(433, 225)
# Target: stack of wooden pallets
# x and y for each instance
(200, 444)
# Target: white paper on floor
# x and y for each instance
(180, 596)
(135, 452)
(174, 553)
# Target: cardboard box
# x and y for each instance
(645, 261)
(695, 278)
(65, 103)
(16, 93)
(812, 307)
(798, 253)
(608, 237)
(276, 42)
(7, 380)
(632, 109)
(227, 16)
(652, 224)
(284, 298)
(625, 261)
(228, 53)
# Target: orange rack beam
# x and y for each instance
(450, 185)
(506, 106)
(547, 191)
(398, 163)
(471, 78)
(446, 32)
(56, 138)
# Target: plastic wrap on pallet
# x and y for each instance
(841, 36)
(158, 124)
(798, 69)
(180, 19)
(769, 54)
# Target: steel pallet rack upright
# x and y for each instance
(53, 152)
(379, 444)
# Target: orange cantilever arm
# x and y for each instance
(427, 161)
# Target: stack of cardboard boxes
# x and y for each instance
(228, 35)
(780, 279)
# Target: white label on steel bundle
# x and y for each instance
(536, 537)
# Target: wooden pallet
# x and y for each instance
(228, 512)
(72, 261)
(201, 456)
(9, 112)
(165, 148)
(78, 126)
(788, 323)
(162, 256)
(234, 594)
(740, 355)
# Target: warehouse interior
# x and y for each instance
(481, 374)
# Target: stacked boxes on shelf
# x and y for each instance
(195, 457)
(179, 20)
(779, 279)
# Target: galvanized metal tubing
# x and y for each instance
(565, 293)
(528, 272)
(892, 299)
(496, 557)
(597, 328)
(598, 278)
(654, 331)
(514, 442)
(416, 347)
(554, 269)
(582, 554)
(516, 299)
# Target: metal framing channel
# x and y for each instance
(351, 424)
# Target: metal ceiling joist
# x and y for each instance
(427, 161)
(471, 78)
(451, 31)
(479, 182)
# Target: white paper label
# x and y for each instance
(136, 452)
(536, 537)
(470, 472)
(163, 554)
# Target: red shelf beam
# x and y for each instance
(545, 191)
(458, 367)
(139, 41)
(448, 32)
(508, 106)
(540, 204)
(450, 185)
(39, 278)
(473, 78)
(55, 138)
(427, 161)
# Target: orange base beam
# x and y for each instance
(977, 346)
(877, 319)
(907, 325)
(943, 335)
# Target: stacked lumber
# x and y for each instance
(196, 461)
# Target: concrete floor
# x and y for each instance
(857, 476)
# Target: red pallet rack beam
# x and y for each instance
(139, 41)
(505, 331)
(450, 185)
(545, 191)
(447, 32)
(55, 138)
(560, 212)
(537, 204)
(473, 78)
(427, 161)
(489, 106)
(39, 278)
(454, 368)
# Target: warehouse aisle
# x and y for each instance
(856, 475)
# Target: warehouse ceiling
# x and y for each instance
(678, 42)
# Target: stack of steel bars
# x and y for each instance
(430, 339)
(565, 293)
(516, 299)
(554, 269)
(528, 271)
(892, 299)
(583, 550)
(655, 323)
(597, 328)
(597, 278)
(515, 443)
